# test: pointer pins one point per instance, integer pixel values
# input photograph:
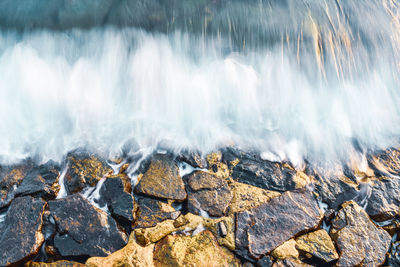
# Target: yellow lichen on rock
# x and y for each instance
(286, 250)
(319, 244)
(132, 255)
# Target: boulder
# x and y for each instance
(193, 158)
(201, 249)
(358, 239)
(262, 229)
(318, 244)
(152, 211)
(84, 169)
(20, 233)
(209, 193)
(162, 179)
(61, 263)
(286, 250)
(386, 162)
(84, 230)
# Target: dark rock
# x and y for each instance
(84, 230)
(385, 163)
(162, 179)
(265, 261)
(20, 234)
(253, 170)
(358, 239)
(119, 202)
(84, 169)
(394, 255)
(209, 193)
(289, 262)
(332, 185)
(384, 201)
(152, 211)
(10, 178)
(264, 228)
(194, 159)
(61, 263)
(42, 181)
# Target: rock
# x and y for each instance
(10, 178)
(20, 234)
(209, 193)
(119, 202)
(290, 262)
(386, 163)
(359, 241)
(132, 255)
(223, 231)
(198, 250)
(84, 169)
(319, 244)
(262, 229)
(194, 159)
(84, 230)
(253, 170)
(41, 181)
(162, 179)
(394, 255)
(384, 200)
(265, 261)
(247, 197)
(286, 250)
(152, 211)
(61, 263)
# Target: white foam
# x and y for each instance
(61, 181)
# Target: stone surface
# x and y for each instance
(194, 159)
(290, 262)
(359, 241)
(84, 230)
(41, 181)
(61, 263)
(209, 193)
(152, 211)
(286, 250)
(162, 179)
(384, 200)
(201, 249)
(132, 255)
(394, 255)
(10, 178)
(84, 169)
(386, 163)
(264, 228)
(119, 202)
(319, 244)
(20, 233)
(265, 261)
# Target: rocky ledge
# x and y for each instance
(228, 208)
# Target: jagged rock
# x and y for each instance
(84, 169)
(209, 193)
(384, 201)
(358, 240)
(162, 179)
(119, 202)
(10, 178)
(132, 255)
(290, 262)
(286, 250)
(265, 261)
(194, 159)
(264, 228)
(246, 197)
(152, 211)
(201, 249)
(84, 230)
(20, 234)
(253, 170)
(319, 244)
(332, 185)
(386, 163)
(41, 181)
(394, 255)
(61, 263)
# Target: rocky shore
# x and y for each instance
(228, 208)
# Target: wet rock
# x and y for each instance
(253, 170)
(152, 211)
(61, 263)
(119, 202)
(359, 241)
(10, 178)
(209, 193)
(318, 244)
(84, 230)
(194, 159)
(386, 163)
(162, 179)
(198, 250)
(384, 200)
(394, 255)
(265, 261)
(132, 255)
(20, 234)
(286, 250)
(84, 169)
(41, 181)
(264, 228)
(332, 185)
(290, 262)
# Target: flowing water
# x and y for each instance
(294, 79)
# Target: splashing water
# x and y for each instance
(293, 79)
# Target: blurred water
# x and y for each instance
(294, 79)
